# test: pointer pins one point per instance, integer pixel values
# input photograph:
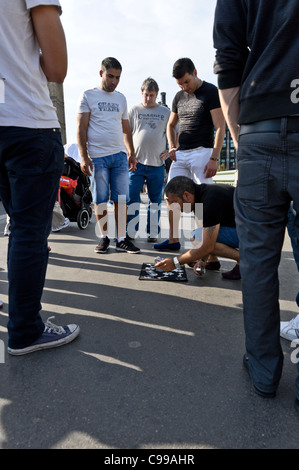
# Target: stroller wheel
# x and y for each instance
(83, 219)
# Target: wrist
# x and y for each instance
(176, 262)
(215, 159)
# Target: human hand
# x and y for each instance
(211, 168)
(199, 268)
(166, 264)
(172, 154)
(132, 163)
(86, 166)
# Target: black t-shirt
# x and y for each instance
(218, 204)
(196, 127)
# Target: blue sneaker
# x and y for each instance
(52, 337)
(166, 246)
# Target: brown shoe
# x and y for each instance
(233, 275)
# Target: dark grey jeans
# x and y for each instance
(31, 163)
(268, 179)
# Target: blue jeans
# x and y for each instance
(268, 179)
(31, 163)
(153, 176)
(110, 174)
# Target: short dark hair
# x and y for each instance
(178, 185)
(111, 63)
(150, 84)
(181, 67)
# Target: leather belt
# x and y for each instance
(271, 125)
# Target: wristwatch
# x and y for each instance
(176, 262)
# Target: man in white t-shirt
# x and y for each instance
(148, 121)
(32, 51)
(104, 136)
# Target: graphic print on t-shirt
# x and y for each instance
(109, 107)
(151, 120)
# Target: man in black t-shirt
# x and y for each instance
(197, 110)
(219, 235)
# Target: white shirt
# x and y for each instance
(107, 111)
(24, 96)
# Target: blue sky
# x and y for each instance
(146, 37)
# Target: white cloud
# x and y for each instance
(146, 37)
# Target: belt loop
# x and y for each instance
(283, 126)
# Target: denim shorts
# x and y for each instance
(228, 236)
(110, 179)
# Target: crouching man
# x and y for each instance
(219, 235)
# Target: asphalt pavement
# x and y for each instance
(157, 365)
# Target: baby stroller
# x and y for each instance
(74, 194)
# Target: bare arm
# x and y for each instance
(229, 99)
(82, 127)
(209, 238)
(172, 134)
(219, 125)
(51, 39)
(129, 144)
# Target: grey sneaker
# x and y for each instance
(127, 246)
(65, 224)
(52, 337)
(290, 329)
(103, 246)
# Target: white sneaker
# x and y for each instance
(65, 224)
(290, 329)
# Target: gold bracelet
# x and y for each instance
(214, 159)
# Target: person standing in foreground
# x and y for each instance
(257, 47)
(148, 122)
(32, 50)
(103, 135)
(197, 110)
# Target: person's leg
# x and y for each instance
(31, 165)
(155, 180)
(99, 186)
(178, 168)
(197, 161)
(58, 220)
(261, 206)
(136, 182)
(119, 185)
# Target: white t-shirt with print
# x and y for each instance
(24, 94)
(107, 111)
